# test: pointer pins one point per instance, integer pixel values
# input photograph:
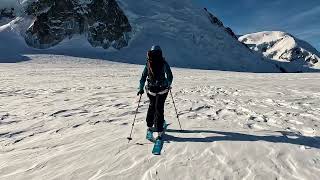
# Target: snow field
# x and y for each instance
(68, 118)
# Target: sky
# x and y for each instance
(300, 18)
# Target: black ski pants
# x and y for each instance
(155, 115)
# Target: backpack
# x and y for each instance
(156, 72)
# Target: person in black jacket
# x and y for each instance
(159, 78)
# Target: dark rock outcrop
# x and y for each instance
(55, 20)
(216, 21)
(7, 13)
(213, 19)
(102, 20)
(229, 31)
(107, 23)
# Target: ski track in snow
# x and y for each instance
(68, 118)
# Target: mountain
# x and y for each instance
(282, 47)
(124, 30)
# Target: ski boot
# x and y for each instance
(149, 135)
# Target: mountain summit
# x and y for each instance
(282, 47)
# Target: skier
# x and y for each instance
(159, 78)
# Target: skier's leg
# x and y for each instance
(151, 111)
(160, 112)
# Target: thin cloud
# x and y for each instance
(305, 14)
(309, 32)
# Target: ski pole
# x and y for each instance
(176, 110)
(134, 120)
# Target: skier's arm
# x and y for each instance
(143, 78)
(169, 74)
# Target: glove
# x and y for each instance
(141, 91)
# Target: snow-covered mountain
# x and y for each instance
(124, 30)
(282, 46)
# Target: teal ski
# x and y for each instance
(158, 144)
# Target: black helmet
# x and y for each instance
(155, 48)
(155, 53)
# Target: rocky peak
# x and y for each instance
(102, 21)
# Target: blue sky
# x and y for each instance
(298, 17)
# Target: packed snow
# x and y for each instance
(68, 118)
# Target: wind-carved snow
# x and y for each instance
(63, 117)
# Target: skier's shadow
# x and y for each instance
(284, 137)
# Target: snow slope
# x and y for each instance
(282, 46)
(68, 118)
(183, 29)
(9, 4)
(185, 32)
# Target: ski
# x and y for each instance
(157, 147)
(158, 144)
